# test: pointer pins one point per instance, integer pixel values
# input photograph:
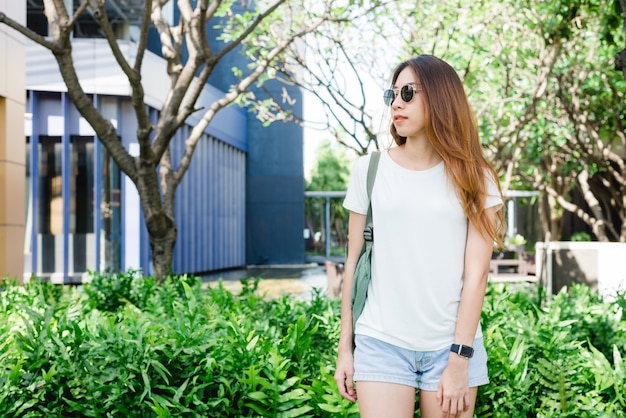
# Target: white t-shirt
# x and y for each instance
(420, 232)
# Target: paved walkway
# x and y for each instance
(301, 280)
(275, 280)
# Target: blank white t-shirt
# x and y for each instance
(420, 232)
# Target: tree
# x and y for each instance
(331, 173)
(548, 102)
(263, 31)
(344, 68)
(575, 136)
(338, 76)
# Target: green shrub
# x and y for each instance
(580, 236)
(548, 360)
(108, 292)
(181, 349)
(178, 350)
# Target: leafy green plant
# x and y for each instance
(580, 236)
(516, 240)
(542, 357)
(192, 350)
(108, 292)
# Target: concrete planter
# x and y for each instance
(600, 265)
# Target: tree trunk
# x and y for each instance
(160, 223)
(163, 252)
(544, 218)
(597, 222)
(556, 219)
(341, 236)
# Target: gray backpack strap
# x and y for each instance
(362, 272)
(371, 177)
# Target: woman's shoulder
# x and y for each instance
(362, 162)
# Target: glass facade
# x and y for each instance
(81, 203)
(85, 248)
(49, 203)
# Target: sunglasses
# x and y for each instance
(406, 94)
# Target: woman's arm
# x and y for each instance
(453, 393)
(478, 252)
(345, 361)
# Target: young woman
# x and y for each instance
(436, 208)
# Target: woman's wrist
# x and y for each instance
(344, 346)
(456, 360)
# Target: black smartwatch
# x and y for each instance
(462, 350)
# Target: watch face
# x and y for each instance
(467, 351)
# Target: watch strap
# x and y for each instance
(462, 350)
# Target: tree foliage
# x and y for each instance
(330, 173)
(574, 140)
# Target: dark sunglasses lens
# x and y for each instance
(406, 92)
(388, 97)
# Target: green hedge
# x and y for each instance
(560, 357)
(126, 347)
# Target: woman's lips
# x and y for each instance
(398, 118)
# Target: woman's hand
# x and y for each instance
(453, 392)
(344, 374)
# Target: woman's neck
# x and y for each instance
(415, 154)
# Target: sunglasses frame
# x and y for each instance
(407, 92)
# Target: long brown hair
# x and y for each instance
(452, 131)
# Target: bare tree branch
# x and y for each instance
(134, 78)
(33, 36)
(235, 92)
(81, 9)
(251, 27)
(143, 35)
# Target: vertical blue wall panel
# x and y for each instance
(274, 217)
(209, 208)
(275, 188)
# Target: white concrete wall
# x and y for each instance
(602, 265)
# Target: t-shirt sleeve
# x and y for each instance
(356, 197)
(493, 194)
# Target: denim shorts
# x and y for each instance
(377, 361)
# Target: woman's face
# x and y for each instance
(409, 118)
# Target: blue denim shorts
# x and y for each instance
(377, 361)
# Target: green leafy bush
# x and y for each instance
(560, 358)
(580, 236)
(182, 349)
(177, 349)
(108, 292)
